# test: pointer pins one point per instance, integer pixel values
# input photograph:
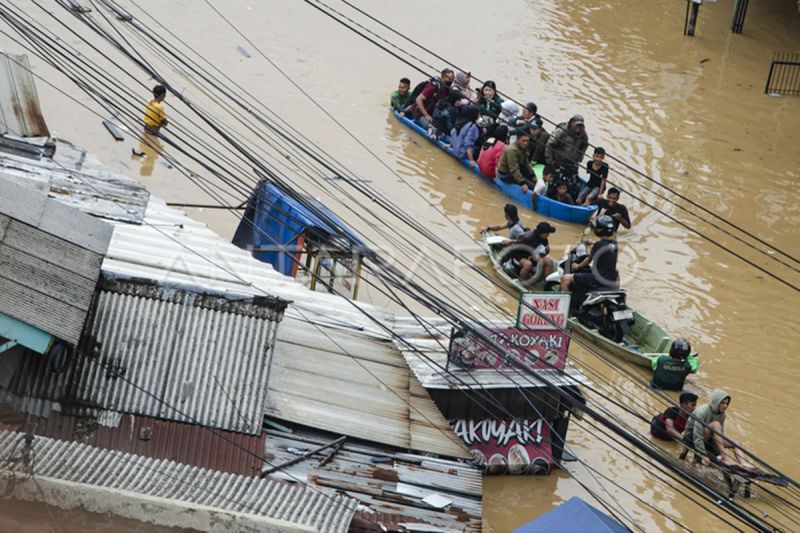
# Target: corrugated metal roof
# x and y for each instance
(428, 360)
(50, 257)
(190, 444)
(169, 354)
(19, 101)
(390, 485)
(88, 465)
(78, 179)
(320, 338)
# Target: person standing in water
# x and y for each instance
(155, 116)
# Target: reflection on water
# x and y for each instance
(150, 147)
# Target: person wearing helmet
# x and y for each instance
(670, 371)
(603, 259)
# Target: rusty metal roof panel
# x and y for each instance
(19, 102)
(387, 483)
(89, 465)
(189, 444)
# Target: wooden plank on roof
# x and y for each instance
(46, 279)
(53, 250)
(53, 316)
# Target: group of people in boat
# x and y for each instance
(503, 140)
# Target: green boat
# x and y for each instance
(644, 341)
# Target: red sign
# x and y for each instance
(508, 446)
(509, 348)
(535, 306)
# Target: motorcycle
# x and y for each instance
(603, 310)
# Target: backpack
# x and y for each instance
(421, 85)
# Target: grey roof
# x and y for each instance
(19, 102)
(78, 179)
(169, 354)
(50, 256)
(89, 466)
(428, 359)
(389, 485)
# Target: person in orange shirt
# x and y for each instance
(155, 117)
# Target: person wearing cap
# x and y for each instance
(532, 247)
(565, 150)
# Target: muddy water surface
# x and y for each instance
(689, 113)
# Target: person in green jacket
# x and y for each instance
(705, 431)
(514, 165)
(670, 371)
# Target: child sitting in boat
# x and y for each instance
(540, 189)
(560, 193)
(670, 424)
(670, 371)
(512, 223)
(597, 170)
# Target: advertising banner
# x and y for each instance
(535, 349)
(508, 446)
(553, 305)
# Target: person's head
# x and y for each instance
(548, 174)
(604, 226)
(523, 140)
(512, 215)
(612, 196)
(454, 96)
(463, 79)
(448, 76)
(469, 113)
(529, 110)
(688, 401)
(576, 124)
(535, 126)
(562, 188)
(599, 154)
(509, 109)
(680, 349)
(719, 401)
(724, 404)
(501, 133)
(159, 92)
(489, 90)
(544, 230)
(404, 86)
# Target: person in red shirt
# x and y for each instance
(670, 424)
(431, 94)
(492, 151)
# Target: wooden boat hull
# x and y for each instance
(544, 206)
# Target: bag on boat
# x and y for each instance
(418, 88)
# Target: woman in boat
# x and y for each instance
(465, 134)
(461, 84)
(489, 104)
(512, 223)
(492, 151)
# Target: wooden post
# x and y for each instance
(692, 8)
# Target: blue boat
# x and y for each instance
(544, 206)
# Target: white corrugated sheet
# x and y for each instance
(87, 465)
(427, 357)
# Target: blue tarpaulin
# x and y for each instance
(573, 516)
(273, 224)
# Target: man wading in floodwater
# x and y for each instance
(155, 118)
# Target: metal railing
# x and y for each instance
(784, 75)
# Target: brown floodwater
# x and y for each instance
(688, 112)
